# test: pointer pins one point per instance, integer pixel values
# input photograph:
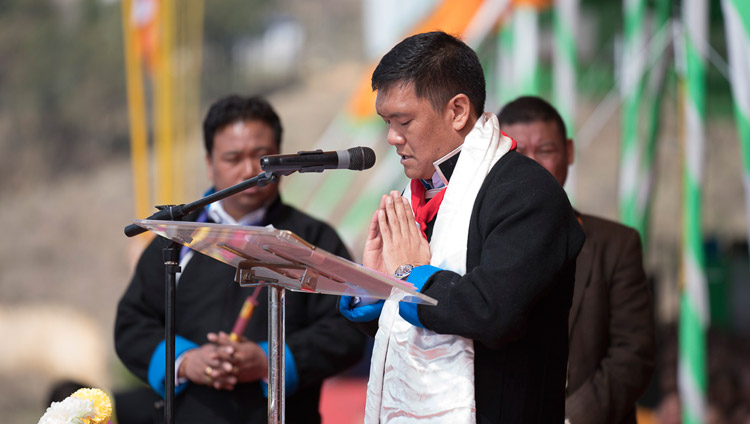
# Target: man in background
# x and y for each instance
(611, 325)
(220, 380)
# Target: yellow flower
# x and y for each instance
(102, 405)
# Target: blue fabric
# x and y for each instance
(157, 368)
(361, 313)
(418, 277)
(291, 377)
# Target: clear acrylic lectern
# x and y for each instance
(281, 260)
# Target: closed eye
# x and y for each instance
(547, 152)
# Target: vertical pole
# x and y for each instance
(194, 18)
(136, 113)
(171, 268)
(163, 105)
(505, 88)
(526, 49)
(178, 79)
(276, 343)
(632, 75)
(694, 314)
(737, 25)
(655, 94)
(566, 64)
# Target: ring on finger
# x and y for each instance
(208, 370)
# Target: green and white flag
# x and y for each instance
(694, 311)
(566, 64)
(526, 49)
(737, 25)
(653, 96)
(633, 64)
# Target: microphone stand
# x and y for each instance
(170, 254)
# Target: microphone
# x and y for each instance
(355, 158)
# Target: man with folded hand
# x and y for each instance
(482, 229)
(221, 380)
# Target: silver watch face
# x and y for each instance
(403, 271)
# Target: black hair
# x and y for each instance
(231, 109)
(438, 65)
(528, 109)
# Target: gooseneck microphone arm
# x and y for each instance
(176, 212)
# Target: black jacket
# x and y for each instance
(515, 297)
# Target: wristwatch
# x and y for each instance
(403, 271)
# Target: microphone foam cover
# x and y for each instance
(361, 158)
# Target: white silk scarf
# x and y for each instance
(417, 375)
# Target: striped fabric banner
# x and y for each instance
(631, 91)
(737, 25)
(137, 111)
(694, 312)
(565, 71)
(525, 27)
(506, 88)
(653, 96)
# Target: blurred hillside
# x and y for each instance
(65, 177)
(63, 105)
(66, 186)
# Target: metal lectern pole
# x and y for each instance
(171, 255)
(276, 345)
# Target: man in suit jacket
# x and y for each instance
(611, 325)
(495, 245)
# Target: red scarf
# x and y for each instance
(424, 211)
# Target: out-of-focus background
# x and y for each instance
(100, 109)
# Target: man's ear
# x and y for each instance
(570, 151)
(459, 108)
